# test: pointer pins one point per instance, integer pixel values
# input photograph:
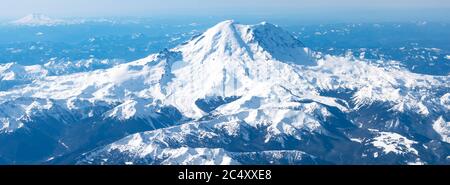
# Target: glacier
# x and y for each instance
(235, 94)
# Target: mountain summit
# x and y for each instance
(230, 40)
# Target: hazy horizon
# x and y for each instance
(307, 10)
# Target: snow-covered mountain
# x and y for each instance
(36, 19)
(236, 94)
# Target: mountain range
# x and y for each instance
(235, 94)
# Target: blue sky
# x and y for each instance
(305, 9)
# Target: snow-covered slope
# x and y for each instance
(247, 94)
(13, 74)
(37, 20)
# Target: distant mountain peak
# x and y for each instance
(37, 19)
